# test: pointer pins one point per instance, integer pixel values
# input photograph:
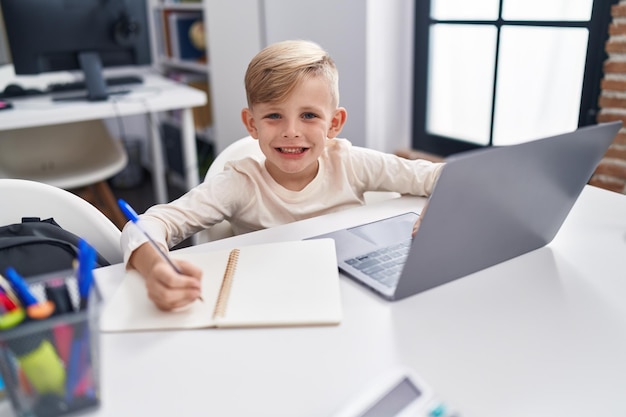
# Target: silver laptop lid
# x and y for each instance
(494, 204)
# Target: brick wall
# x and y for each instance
(611, 173)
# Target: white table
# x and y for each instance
(543, 334)
(155, 95)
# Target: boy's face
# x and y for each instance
(292, 134)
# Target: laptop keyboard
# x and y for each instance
(383, 265)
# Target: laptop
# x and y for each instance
(488, 206)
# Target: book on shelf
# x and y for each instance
(292, 283)
(180, 38)
(202, 115)
(163, 35)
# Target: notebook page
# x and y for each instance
(285, 284)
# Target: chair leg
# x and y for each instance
(110, 203)
(101, 197)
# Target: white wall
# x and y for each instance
(390, 26)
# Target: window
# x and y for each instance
(499, 72)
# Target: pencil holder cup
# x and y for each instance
(51, 366)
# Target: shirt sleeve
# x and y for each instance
(380, 171)
(133, 237)
(200, 208)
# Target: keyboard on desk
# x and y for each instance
(384, 265)
(17, 91)
(80, 85)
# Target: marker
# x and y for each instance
(41, 364)
(57, 292)
(86, 263)
(35, 309)
(73, 371)
(79, 364)
(12, 314)
(6, 301)
(78, 361)
(12, 318)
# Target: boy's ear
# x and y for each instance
(337, 122)
(249, 123)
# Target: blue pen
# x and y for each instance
(132, 216)
(35, 309)
(86, 263)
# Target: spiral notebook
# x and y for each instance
(275, 284)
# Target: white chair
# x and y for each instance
(248, 146)
(72, 156)
(244, 147)
(24, 198)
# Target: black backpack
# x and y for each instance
(36, 247)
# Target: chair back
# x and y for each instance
(24, 198)
(242, 148)
(70, 155)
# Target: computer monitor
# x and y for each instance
(87, 35)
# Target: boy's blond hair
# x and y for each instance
(275, 71)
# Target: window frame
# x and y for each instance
(593, 72)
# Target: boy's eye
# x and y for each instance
(309, 115)
(273, 116)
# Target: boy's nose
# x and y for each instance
(291, 130)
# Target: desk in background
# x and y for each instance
(543, 334)
(155, 95)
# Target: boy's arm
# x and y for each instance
(380, 171)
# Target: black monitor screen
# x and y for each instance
(63, 35)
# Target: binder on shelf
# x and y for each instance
(181, 44)
(165, 32)
(264, 285)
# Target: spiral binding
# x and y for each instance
(229, 273)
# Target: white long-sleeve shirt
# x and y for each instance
(249, 198)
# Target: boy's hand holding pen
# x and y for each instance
(170, 285)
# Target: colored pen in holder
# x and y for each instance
(50, 365)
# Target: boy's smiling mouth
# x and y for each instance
(292, 151)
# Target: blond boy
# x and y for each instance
(293, 111)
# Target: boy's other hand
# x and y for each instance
(416, 226)
(417, 223)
